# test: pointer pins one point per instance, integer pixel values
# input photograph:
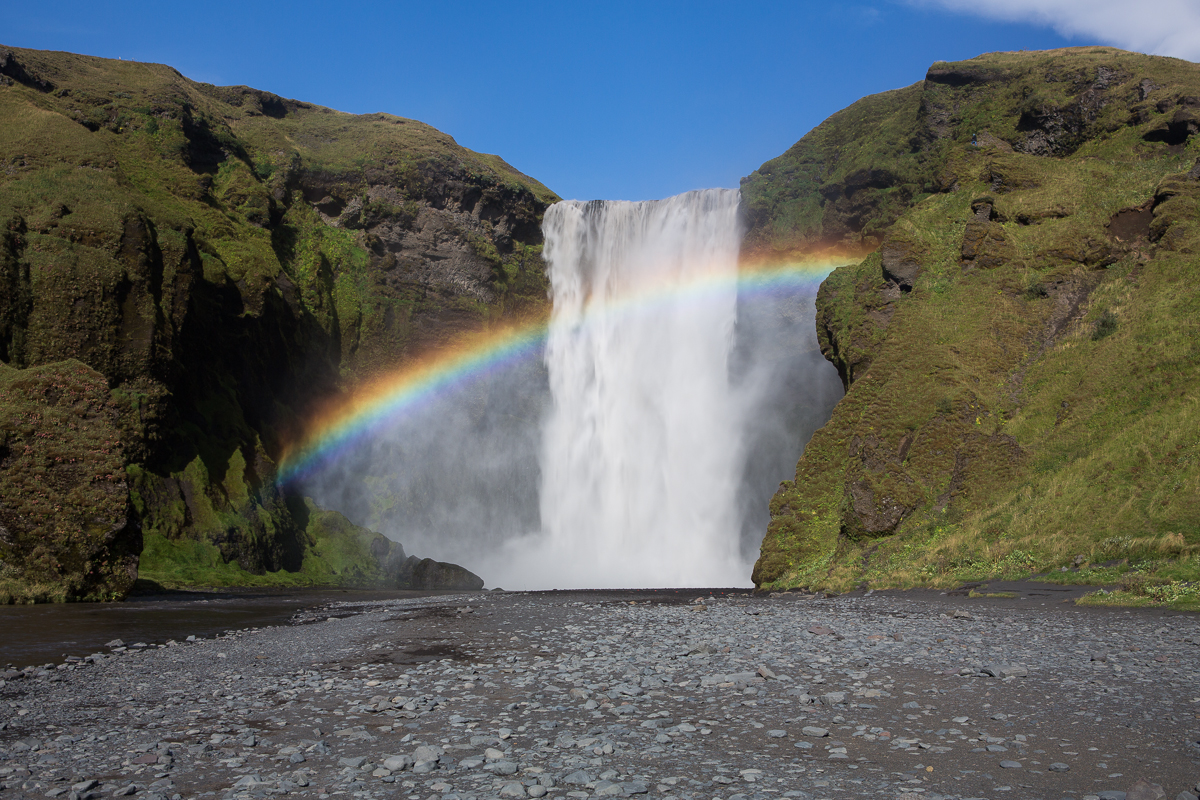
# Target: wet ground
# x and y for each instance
(48, 633)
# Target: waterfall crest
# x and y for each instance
(640, 453)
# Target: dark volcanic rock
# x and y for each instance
(901, 262)
(427, 574)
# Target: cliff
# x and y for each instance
(1021, 346)
(186, 270)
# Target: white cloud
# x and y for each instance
(1160, 27)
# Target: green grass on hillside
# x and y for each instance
(1014, 417)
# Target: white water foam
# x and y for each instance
(641, 449)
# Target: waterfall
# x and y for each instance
(643, 447)
(640, 454)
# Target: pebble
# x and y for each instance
(587, 695)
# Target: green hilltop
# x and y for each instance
(1020, 346)
(186, 271)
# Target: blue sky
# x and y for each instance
(615, 100)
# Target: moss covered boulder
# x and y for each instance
(65, 522)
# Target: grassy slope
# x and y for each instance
(166, 234)
(1034, 407)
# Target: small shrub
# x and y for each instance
(1105, 326)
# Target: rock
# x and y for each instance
(1004, 671)
(512, 789)
(1145, 790)
(427, 753)
(812, 730)
(353, 761)
(1010, 764)
(900, 261)
(68, 521)
(115, 643)
(833, 698)
(501, 767)
(985, 245)
(776, 734)
(427, 574)
(397, 763)
(1059, 766)
(577, 778)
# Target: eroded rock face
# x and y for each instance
(985, 245)
(901, 262)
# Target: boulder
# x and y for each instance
(427, 574)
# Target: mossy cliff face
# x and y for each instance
(1021, 351)
(226, 259)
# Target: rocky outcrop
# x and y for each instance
(427, 574)
(985, 245)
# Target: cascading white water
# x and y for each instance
(641, 460)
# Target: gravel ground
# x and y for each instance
(598, 694)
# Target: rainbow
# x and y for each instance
(419, 382)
